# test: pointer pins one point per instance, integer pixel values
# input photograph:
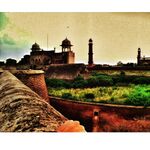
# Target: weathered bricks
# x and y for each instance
(21, 109)
(34, 79)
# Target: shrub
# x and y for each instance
(79, 82)
(105, 80)
(67, 96)
(92, 82)
(89, 96)
(139, 97)
(78, 78)
(123, 79)
(112, 99)
(99, 80)
(57, 83)
(141, 80)
(129, 79)
(122, 73)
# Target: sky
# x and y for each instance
(116, 36)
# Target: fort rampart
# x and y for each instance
(105, 117)
(34, 79)
(22, 110)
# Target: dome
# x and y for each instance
(66, 43)
(36, 47)
(90, 40)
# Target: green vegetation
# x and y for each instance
(79, 82)
(141, 80)
(131, 95)
(103, 88)
(57, 83)
(67, 95)
(97, 79)
(140, 96)
(89, 96)
(99, 94)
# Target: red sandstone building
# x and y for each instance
(142, 61)
(39, 56)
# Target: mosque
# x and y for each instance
(39, 56)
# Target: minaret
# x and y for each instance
(139, 56)
(90, 60)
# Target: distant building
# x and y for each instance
(90, 54)
(119, 63)
(25, 60)
(2, 63)
(39, 56)
(142, 61)
(11, 62)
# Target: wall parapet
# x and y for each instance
(22, 110)
(34, 79)
(110, 117)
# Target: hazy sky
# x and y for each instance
(116, 36)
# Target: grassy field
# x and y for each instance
(100, 93)
(130, 95)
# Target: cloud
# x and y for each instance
(3, 21)
(5, 39)
(13, 49)
(14, 40)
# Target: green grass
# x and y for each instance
(140, 96)
(100, 93)
(130, 95)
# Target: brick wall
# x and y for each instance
(105, 117)
(34, 80)
(22, 110)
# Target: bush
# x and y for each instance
(57, 83)
(92, 82)
(78, 78)
(122, 73)
(112, 99)
(105, 80)
(141, 80)
(99, 80)
(123, 79)
(139, 97)
(79, 82)
(89, 96)
(67, 96)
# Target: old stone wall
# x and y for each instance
(34, 79)
(39, 59)
(22, 110)
(105, 117)
(65, 71)
(71, 57)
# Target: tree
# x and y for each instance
(119, 63)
